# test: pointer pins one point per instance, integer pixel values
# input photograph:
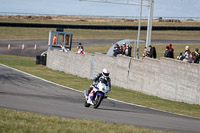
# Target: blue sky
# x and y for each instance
(163, 8)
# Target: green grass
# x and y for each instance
(13, 33)
(23, 122)
(27, 64)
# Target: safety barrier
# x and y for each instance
(165, 78)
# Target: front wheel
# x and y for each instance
(98, 100)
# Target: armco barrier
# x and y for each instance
(165, 78)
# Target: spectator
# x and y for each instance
(149, 51)
(121, 49)
(181, 56)
(170, 47)
(154, 55)
(193, 58)
(81, 46)
(187, 50)
(190, 57)
(144, 52)
(80, 50)
(152, 52)
(187, 56)
(171, 50)
(116, 50)
(124, 47)
(168, 53)
(197, 54)
(128, 50)
(54, 39)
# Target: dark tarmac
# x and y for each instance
(23, 92)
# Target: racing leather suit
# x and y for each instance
(96, 80)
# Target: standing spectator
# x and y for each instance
(152, 52)
(154, 55)
(81, 46)
(197, 54)
(170, 47)
(121, 49)
(128, 50)
(168, 53)
(149, 52)
(54, 39)
(116, 50)
(187, 50)
(187, 54)
(171, 50)
(124, 47)
(144, 52)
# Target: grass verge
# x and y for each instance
(27, 64)
(23, 122)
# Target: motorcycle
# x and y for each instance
(98, 93)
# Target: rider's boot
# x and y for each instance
(90, 100)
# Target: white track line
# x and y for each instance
(82, 92)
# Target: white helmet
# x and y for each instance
(106, 72)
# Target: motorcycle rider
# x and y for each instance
(104, 75)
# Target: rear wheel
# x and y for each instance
(98, 101)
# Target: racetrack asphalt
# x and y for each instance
(23, 92)
(42, 45)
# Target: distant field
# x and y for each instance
(94, 20)
(13, 33)
(10, 33)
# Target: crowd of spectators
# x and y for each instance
(123, 50)
(188, 56)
